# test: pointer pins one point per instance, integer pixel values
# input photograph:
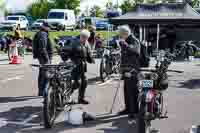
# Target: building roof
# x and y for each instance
(164, 13)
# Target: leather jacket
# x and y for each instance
(130, 54)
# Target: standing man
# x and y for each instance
(130, 49)
(81, 55)
(43, 51)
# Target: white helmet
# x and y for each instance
(75, 116)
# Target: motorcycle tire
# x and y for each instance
(143, 125)
(49, 108)
(104, 75)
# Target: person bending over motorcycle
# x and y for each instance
(130, 51)
(81, 55)
(91, 39)
(43, 51)
(17, 33)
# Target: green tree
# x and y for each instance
(2, 5)
(96, 11)
(110, 5)
(67, 4)
(127, 6)
(40, 9)
(195, 3)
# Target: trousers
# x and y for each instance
(131, 95)
(42, 79)
(80, 80)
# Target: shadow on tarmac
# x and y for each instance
(16, 118)
(119, 124)
(94, 80)
(4, 59)
(190, 84)
(16, 99)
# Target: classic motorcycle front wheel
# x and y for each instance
(49, 108)
(104, 75)
(143, 125)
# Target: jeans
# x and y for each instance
(42, 80)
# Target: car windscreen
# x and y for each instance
(102, 22)
(39, 21)
(56, 15)
(12, 18)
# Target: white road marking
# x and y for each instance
(12, 78)
(30, 118)
(3, 122)
(23, 124)
(194, 129)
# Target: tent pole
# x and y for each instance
(145, 39)
(144, 34)
(140, 33)
(158, 36)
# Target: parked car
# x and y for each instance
(12, 22)
(61, 19)
(28, 16)
(37, 24)
(102, 24)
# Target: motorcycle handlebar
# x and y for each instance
(52, 65)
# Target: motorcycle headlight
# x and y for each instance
(154, 76)
(106, 52)
(141, 76)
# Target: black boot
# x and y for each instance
(123, 112)
(82, 101)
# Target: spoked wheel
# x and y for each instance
(49, 108)
(104, 74)
(143, 125)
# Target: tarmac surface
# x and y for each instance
(21, 109)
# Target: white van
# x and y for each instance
(61, 19)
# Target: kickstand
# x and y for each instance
(114, 99)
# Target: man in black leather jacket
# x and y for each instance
(43, 51)
(79, 52)
(130, 49)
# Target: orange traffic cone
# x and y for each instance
(16, 59)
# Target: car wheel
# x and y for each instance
(26, 28)
(63, 28)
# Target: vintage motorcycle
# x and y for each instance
(184, 49)
(110, 62)
(58, 92)
(151, 84)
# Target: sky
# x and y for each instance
(17, 5)
(21, 5)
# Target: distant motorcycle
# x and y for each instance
(184, 49)
(110, 63)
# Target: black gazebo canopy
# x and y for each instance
(164, 13)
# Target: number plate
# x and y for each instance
(146, 83)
